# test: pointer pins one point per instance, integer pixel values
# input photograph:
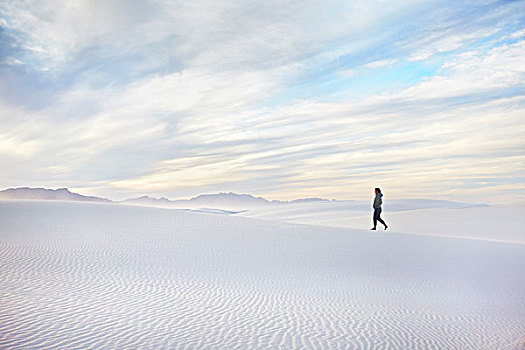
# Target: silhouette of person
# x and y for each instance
(377, 208)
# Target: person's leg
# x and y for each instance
(376, 215)
(381, 220)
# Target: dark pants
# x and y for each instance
(377, 217)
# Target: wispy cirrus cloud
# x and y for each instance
(381, 63)
(282, 100)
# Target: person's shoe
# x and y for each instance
(386, 227)
(373, 228)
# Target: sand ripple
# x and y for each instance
(98, 276)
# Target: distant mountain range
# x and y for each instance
(226, 201)
(62, 194)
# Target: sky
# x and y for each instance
(281, 99)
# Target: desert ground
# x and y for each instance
(99, 275)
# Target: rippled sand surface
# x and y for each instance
(83, 275)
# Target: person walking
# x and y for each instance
(377, 208)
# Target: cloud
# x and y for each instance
(443, 42)
(452, 31)
(179, 98)
(11, 61)
(381, 63)
(469, 73)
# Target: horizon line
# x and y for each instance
(228, 192)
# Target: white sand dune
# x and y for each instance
(86, 275)
(496, 223)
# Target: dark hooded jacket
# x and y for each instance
(378, 201)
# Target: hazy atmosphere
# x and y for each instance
(285, 100)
